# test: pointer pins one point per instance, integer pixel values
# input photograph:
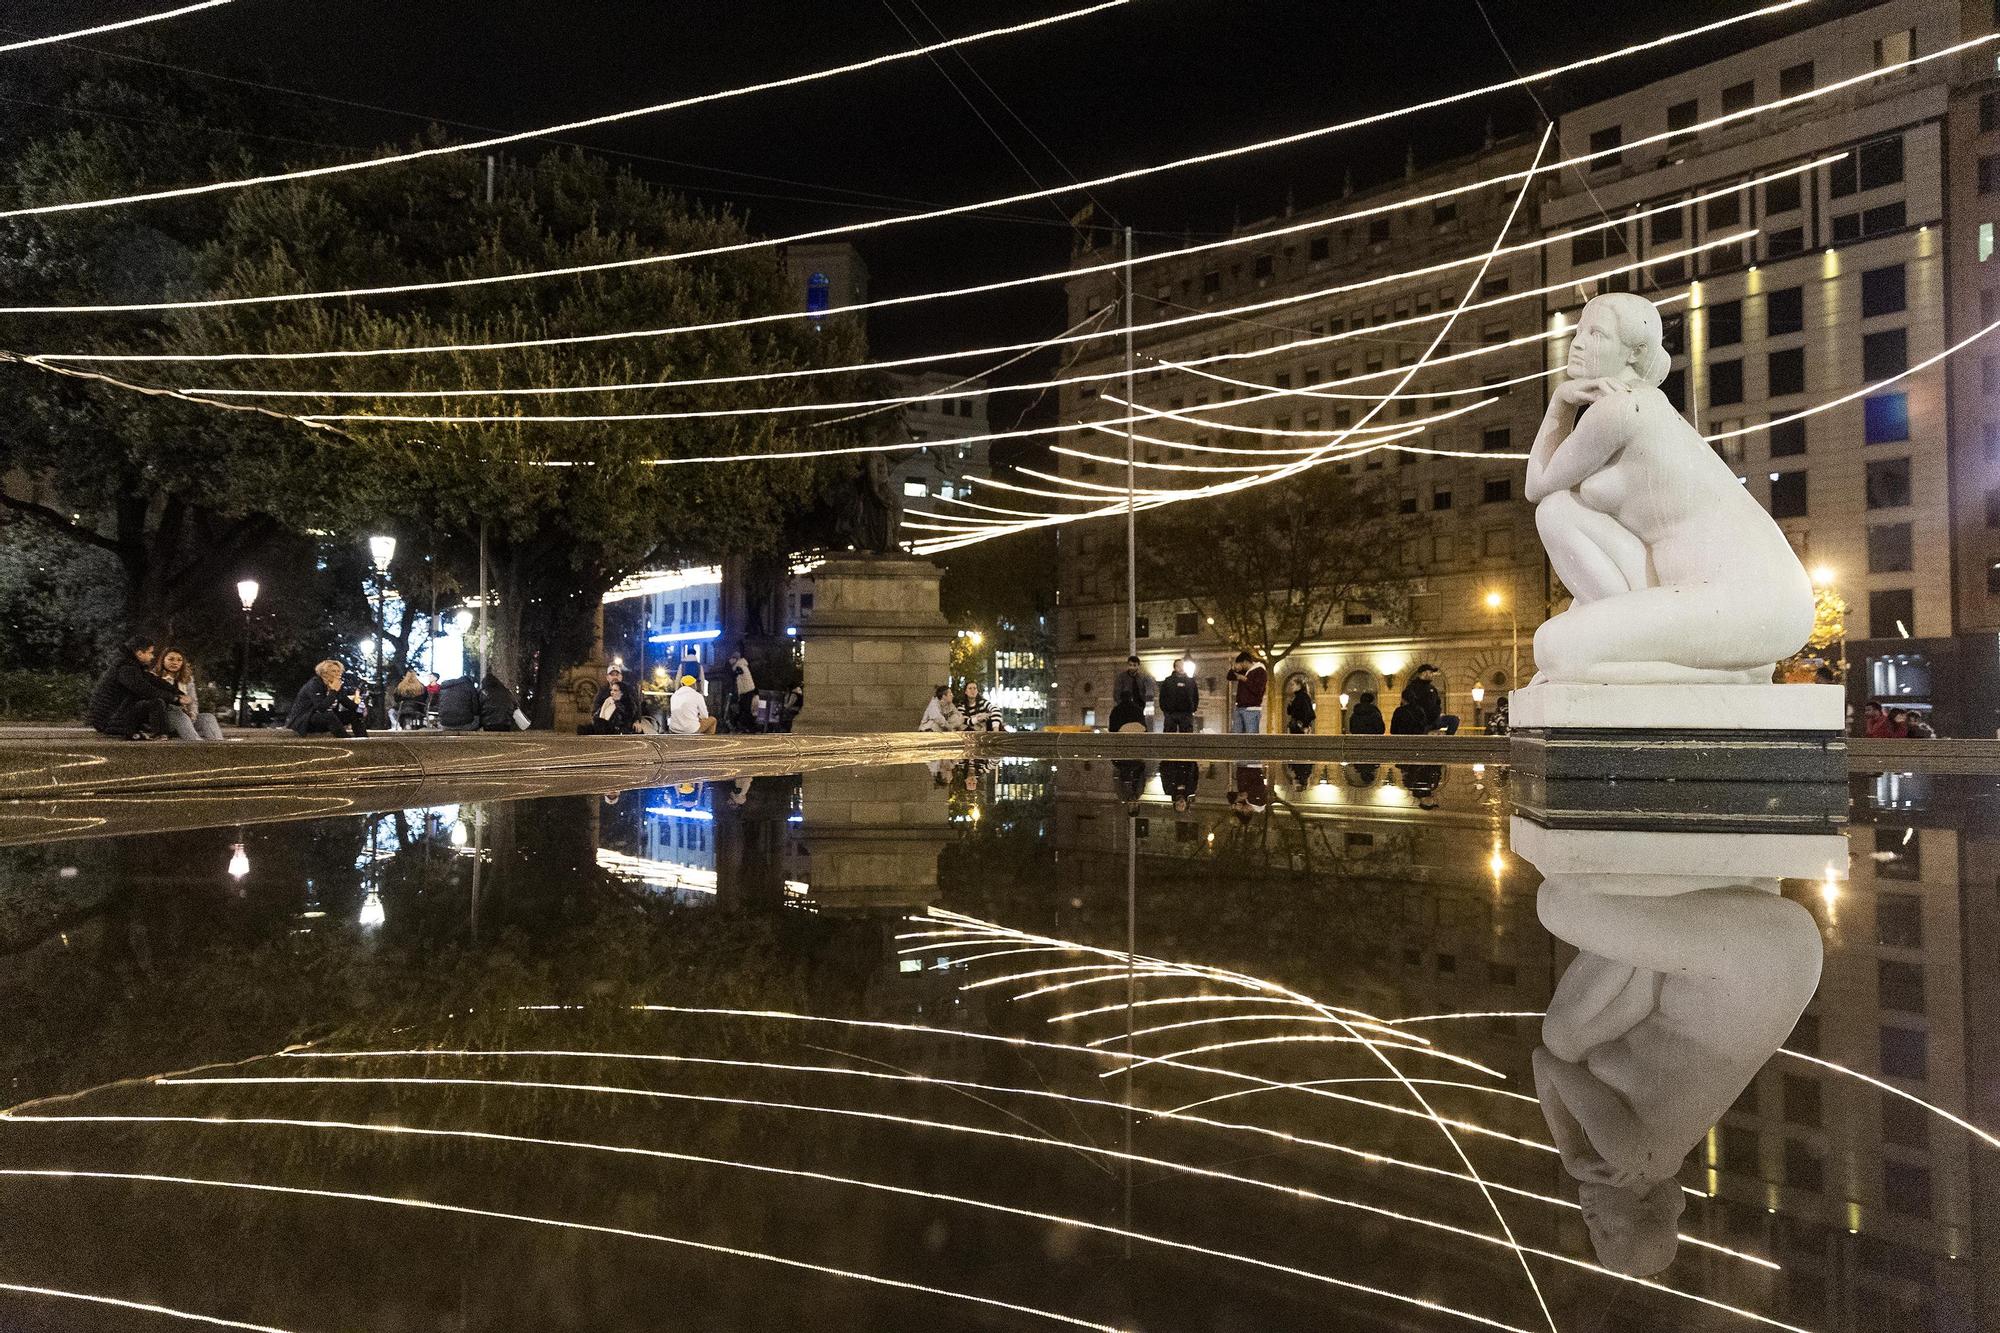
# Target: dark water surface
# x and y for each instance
(865, 1049)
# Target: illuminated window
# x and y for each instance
(1886, 418)
(819, 293)
(914, 488)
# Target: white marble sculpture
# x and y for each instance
(1686, 985)
(1679, 576)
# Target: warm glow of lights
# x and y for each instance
(1494, 601)
(246, 593)
(239, 861)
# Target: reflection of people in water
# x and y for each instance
(1250, 791)
(1360, 775)
(1685, 987)
(1422, 781)
(1302, 776)
(1128, 777)
(1180, 779)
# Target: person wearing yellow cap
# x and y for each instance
(687, 711)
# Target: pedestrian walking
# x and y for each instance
(1366, 717)
(1250, 680)
(184, 716)
(321, 709)
(687, 711)
(743, 699)
(129, 700)
(1180, 699)
(1300, 711)
(1131, 692)
(941, 713)
(616, 711)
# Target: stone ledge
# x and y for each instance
(1638, 853)
(1678, 708)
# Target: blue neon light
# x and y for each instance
(686, 636)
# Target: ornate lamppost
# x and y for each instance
(246, 593)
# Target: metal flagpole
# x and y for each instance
(1131, 504)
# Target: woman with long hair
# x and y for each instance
(184, 717)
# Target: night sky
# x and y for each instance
(1153, 80)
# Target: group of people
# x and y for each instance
(1178, 697)
(332, 704)
(1895, 724)
(147, 694)
(619, 709)
(973, 712)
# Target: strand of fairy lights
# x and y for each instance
(1137, 1033)
(822, 1177)
(959, 209)
(595, 1228)
(568, 127)
(112, 27)
(143, 1307)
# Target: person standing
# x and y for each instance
(1250, 679)
(129, 700)
(1300, 712)
(1366, 718)
(184, 716)
(743, 693)
(687, 711)
(1180, 699)
(1130, 693)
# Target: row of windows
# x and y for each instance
(1884, 355)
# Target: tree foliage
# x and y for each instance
(1275, 567)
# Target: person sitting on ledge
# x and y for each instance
(413, 701)
(458, 704)
(687, 711)
(1679, 575)
(616, 712)
(320, 709)
(184, 716)
(980, 714)
(498, 707)
(129, 700)
(1366, 719)
(941, 713)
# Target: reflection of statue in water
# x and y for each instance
(1678, 574)
(864, 514)
(1686, 986)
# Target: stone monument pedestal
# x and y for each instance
(874, 836)
(876, 645)
(1714, 757)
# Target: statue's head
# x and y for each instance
(1634, 1229)
(1618, 337)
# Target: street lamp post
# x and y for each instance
(1478, 698)
(1494, 601)
(246, 593)
(383, 550)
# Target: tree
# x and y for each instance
(569, 508)
(1275, 567)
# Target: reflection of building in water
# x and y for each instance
(873, 836)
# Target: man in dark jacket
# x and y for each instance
(1409, 719)
(458, 704)
(1180, 699)
(616, 712)
(320, 709)
(129, 700)
(1131, 691)
(497, 705)
(1300, 713)
(1366, 718)
(1423, 692)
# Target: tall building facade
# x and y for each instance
(1350, 322)
(1847, 284)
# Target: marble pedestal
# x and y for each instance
(1691, 756)
(876, 645)
(874, 836)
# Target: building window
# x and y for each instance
(1186, 623)
(1989, 106)
(1260, 267)
(1725, 324)
(1905, 1054)
(1494, 287)
(1906, 1189)
(1444, 214)
(1674, 386)
(1378, 230)
(1895, 49)
(1889, 548)
(1782, 196)
(1889, 483)
(1316, 249)
(1786, 241)
(819, 293)
(1142, 627)
(1805, 1169)
(1899, 918)
(1785, 311)
(1788, 495)
(1802, 1100)
(1904, 1123)
(1681, 117)
(1882, 291)
(1788, 438)
(1441, 500)
(1496, 439)
(1725, 382)
(1892, 612)
(1899, 986)
(914, 488)
(1496, 490)
(1606, 140)
(1739, 97)
(1875, 221)
(1795, 79)
(1787, 371)
(1724, 211)
(1211, 282)
(1885, 354)
(1886, 418)
(1869, 167)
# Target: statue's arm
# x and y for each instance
(1555, 429)
(1604, 428)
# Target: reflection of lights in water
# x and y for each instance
(1312, 1040)
(372, 913)
(239, 861)
(458, 835)
(430, 1205)
(1401, 1037)
(669, 812)
(211, 1320)
(759, 1168)
(1074, 1014)
(658, 874)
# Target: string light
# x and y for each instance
(1315, 1039)
(1402, 1038)
(546, 131)
(113, 27)
(900, 219)
(628, 1233)
(144, 1307)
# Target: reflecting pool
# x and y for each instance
(1009, 1044)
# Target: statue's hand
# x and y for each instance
(1582, 393)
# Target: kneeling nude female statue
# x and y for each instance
(1679, 575)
